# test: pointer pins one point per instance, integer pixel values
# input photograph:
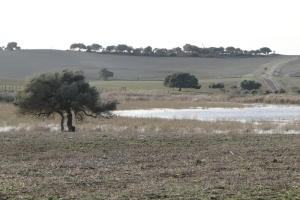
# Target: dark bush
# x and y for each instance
(172, 54)
(253, 92)
(249, 85)
(194, 55)
(281, 91)
(198, 87)
(216, 85)
(267, 92)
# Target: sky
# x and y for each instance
(56, 24)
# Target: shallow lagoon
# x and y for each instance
(254, 113)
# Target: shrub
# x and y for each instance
(253, 92)
(172, 54)
(281, 91)
(267, 92)
(216, 85)
(194, 55)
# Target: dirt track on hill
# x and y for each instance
(269, 77)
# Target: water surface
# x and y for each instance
(255, 113)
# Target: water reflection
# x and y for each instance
(256, 113)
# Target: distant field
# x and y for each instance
(24, 63)
(157, 86)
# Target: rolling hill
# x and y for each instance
(24, 63)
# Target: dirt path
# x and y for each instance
(271, 82)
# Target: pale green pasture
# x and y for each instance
(130, 85)
(157, 86)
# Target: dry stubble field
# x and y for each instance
(149, 158)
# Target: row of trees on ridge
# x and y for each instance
(188, 50)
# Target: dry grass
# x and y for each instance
(147, 100)
(270, 99)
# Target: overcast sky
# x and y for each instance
(56, 24)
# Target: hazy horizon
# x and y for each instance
(35, 24)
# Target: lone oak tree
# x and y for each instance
(249, 85)
(105, 74)
(181, 80)
(12, 46)
(64, 92)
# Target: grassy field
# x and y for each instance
(157, 86)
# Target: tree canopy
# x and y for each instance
(249, 85)
(78, 46)
(105, 74)
(62, 92)
(96, 47)
(181, 80)
(265, 50)
(12, 46)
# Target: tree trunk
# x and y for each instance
(71, 128)
(62, 122)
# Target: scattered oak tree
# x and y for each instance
(96, 47)
(62, 92)
(110, 48)
(181, 80)
(12, 46)
(78, 46)
(249, 85)
(105, 74)
(265, 50)
(147, 50)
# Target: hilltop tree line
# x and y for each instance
(11, 46)
(187, 50)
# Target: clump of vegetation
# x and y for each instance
(11, 46)
(181, 80)
(105, 74)
(216, 85)
(249, 85)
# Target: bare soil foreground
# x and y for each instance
(131, 165)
